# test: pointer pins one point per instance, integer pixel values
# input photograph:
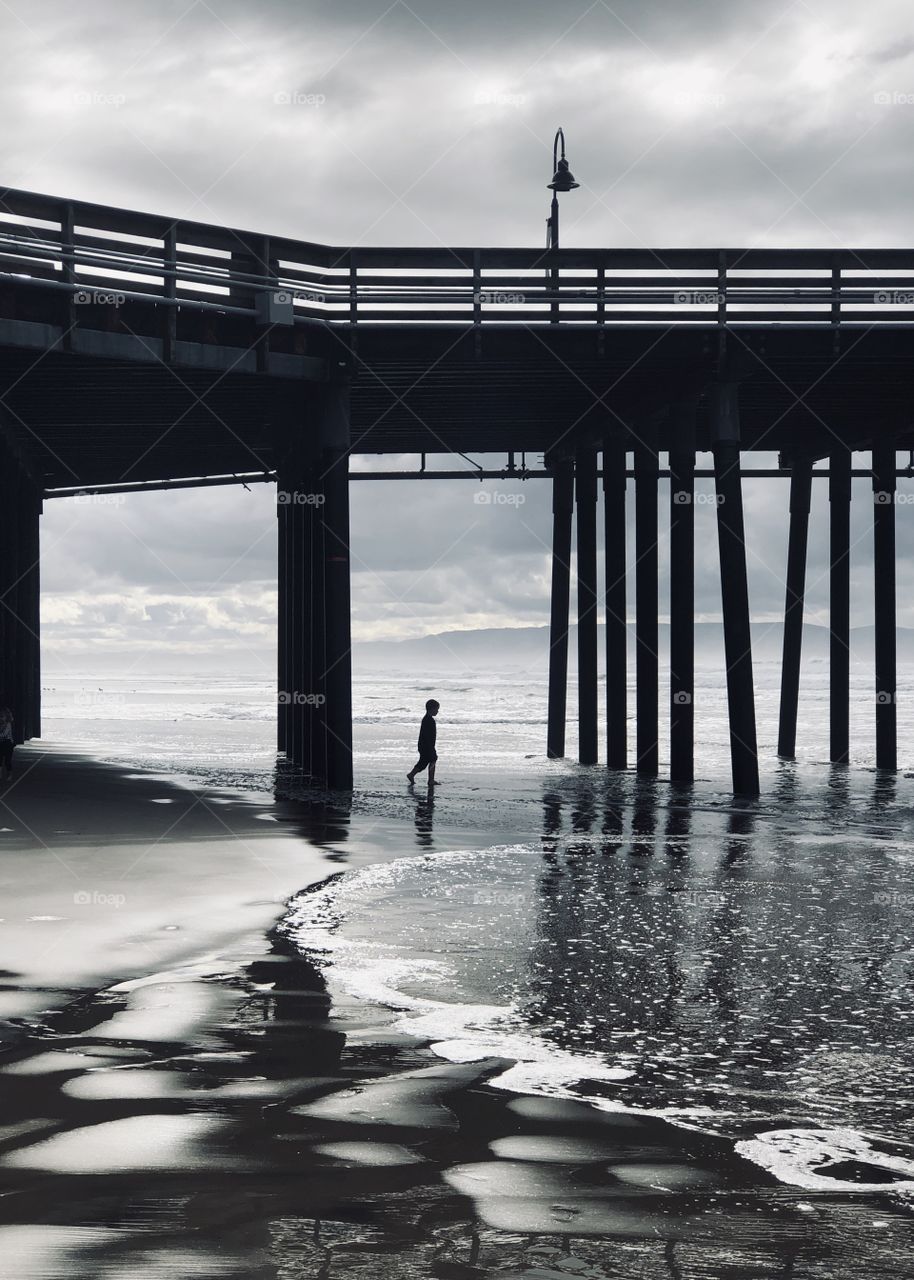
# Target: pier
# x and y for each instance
(139, 352)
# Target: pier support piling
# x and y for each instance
(314, 665)
(20, 663)
(734, 588)
(614, 484)
(884, 487)
(646, 605)
(586, 503)
(682, 595)
(283, 622)
(797, 542)
(562, 502)
(839, 619)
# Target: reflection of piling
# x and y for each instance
(614, 485)
(839, 620)
(884, 486)
(586, 503)
(734, 588)
(562, 499)
(646, 604)
(797, 540)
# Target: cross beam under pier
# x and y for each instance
(269, 477)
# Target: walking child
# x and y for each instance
(428, 756)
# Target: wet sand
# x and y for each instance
(182, 1095)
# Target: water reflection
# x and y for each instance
(424, 818)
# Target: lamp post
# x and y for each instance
(562, 180)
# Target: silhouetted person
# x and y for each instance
(428, 756)
(6, 741)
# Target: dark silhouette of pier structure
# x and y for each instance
(139, 352)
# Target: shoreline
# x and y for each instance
(198, 1065)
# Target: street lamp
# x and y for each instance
(562, 180)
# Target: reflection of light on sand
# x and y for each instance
(115, 1146)
(369, 1153)
(801, 1157)
(36, 1252)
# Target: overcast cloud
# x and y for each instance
(431, 123)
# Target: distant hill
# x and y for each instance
(507, 648)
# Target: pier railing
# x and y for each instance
(98, 254)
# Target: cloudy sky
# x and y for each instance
(428, 123)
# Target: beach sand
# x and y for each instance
(182, 1096)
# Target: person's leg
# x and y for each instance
(417, 768)
(431, 774)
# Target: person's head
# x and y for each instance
(432, 707)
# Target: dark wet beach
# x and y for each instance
(203, 1097)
